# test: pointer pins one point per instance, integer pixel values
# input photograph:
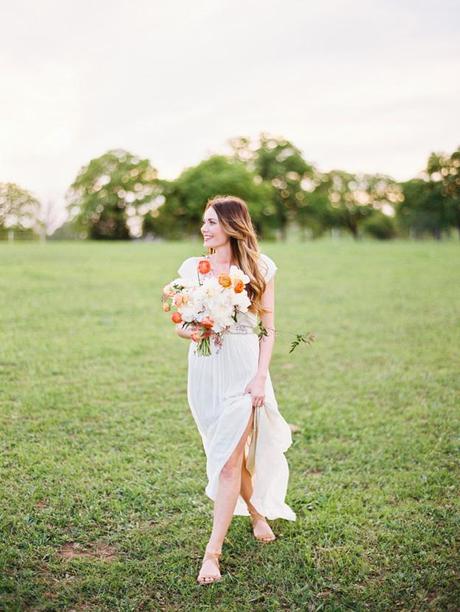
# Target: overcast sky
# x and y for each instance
(368, 86)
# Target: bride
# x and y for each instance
(230, 392)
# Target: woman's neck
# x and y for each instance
(222, 255)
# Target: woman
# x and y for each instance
(230, 392)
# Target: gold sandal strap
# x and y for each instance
(209, 554)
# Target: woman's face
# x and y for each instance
(213, 234)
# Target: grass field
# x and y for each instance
(103, 473)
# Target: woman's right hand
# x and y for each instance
(185, 332)
(193, 332)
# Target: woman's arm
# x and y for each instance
(256, 387)
(184, 332)
(268, 321)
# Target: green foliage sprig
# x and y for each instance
(308, 338)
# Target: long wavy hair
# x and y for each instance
(234, 217)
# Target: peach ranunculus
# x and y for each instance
(178, 299)
(176, 317)
(168, 291)
(166, 307)
(225, 280)
(204, 266)
(239, 286)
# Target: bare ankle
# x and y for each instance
(254, 513)
(214, 546)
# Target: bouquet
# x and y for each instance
(209, 306)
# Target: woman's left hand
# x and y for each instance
(256, 387)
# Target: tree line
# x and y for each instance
(120, 196)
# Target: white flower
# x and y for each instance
(242, 301)
(237, 274)
(211, 299)
(188, 312)
(183, 282)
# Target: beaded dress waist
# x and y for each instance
(240, 328)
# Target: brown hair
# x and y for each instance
(233, 215)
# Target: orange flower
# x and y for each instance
(239, 286)
(198, 335)
(166, 307)
(225, 280)
(207, 322)
(204, 266)
(176, 317)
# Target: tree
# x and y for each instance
(345, 200)
(444, 171)
(277, 162)
(421, 211)
(19, 210)
(186, 197)
(432, 201)
(379, 225)
(110, 195)
(66, 231)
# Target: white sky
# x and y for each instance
(368, 86)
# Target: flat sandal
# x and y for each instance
(255, 516)
(210, 578)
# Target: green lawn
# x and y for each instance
(103, 472)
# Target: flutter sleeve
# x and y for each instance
(187, 268)
(268, 267)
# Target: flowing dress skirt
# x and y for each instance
(222, 411)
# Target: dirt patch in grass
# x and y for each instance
(98, 550)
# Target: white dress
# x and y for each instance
(222, 410)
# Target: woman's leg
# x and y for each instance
(261, 528)
(246, 486)
(228, 491)
(224, 505)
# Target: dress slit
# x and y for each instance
(216, 459)
(238, 442)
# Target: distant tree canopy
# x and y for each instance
(182, 212)
(277, 162)
(112, 194)
(345, 200)
(119, 196)
(19, 210)
(432, 203)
